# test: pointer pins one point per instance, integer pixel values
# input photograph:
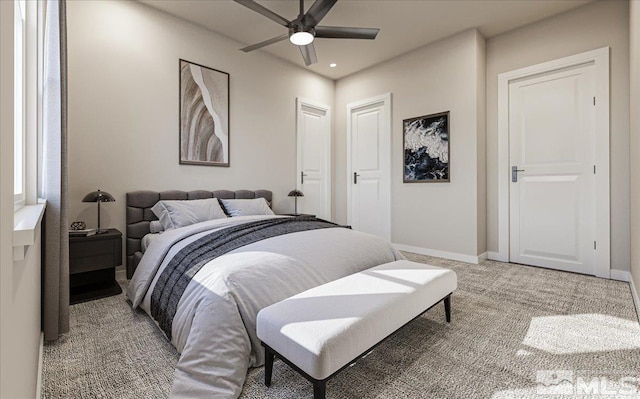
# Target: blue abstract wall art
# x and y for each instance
(426, 148)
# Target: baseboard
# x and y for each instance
(497, 256)
(483, 256)
(636, 298)
(620, 275)
(40, 360)
(441, 254)
(121, 275)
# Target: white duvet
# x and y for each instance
(214, 328)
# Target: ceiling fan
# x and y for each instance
(304, 28)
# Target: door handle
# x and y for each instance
(355, 177)
(302, 175)
(514, 173)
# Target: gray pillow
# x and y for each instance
(247, 207)
(174, 214)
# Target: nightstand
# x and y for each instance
(298, 215)
(92, 266)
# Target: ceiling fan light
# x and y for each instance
(301, 38)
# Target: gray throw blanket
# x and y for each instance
(185, 264)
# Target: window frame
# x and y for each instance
(32, 68)
(19, 123)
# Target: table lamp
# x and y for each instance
(99, 196)
(295, 194)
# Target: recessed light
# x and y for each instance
(333, 65)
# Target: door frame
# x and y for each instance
(599, 58)
(385, 163)
(300, 102)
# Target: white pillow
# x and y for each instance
(247, 207)
(155, 227)
(174, 214)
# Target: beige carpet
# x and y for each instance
(517, 332)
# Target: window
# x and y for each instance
(19, 103)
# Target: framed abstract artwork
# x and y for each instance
(425, 141)
(204, 115)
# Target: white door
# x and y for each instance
(552, 190)
(314, 157)
(369, 153)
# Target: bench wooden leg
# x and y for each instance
(268, 366)
(447, 308)
(320, 390)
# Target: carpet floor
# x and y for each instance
(516, 332)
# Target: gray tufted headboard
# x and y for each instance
(139, 213)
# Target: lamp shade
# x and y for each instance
(295, 193)
(98, 196)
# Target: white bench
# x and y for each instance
(321, 331)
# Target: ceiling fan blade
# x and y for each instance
(265, 43)
(317, 11)
(264, 11)
(309, 54)
(343, 32)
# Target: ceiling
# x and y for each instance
(404, 25)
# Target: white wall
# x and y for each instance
(634, 41)
(604, 23)
(19, 281)
(439, 77)
(21, 327)
(123, 108)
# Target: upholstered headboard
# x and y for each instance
(139, 215)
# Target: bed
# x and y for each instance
(204, 283)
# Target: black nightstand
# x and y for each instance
(298, 215)
(92, 266)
